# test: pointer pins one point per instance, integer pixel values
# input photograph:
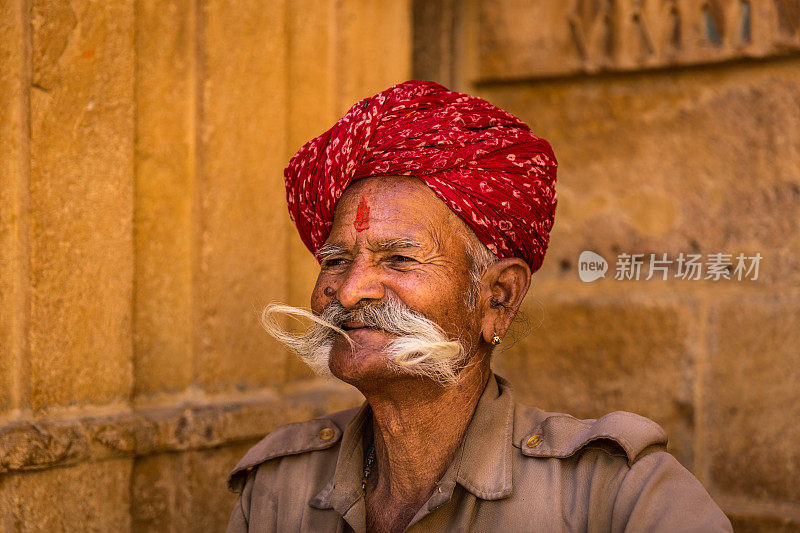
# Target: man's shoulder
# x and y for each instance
(544, 434)
(292, 439)
(620, 468)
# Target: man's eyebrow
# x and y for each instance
(328, 250)
(385, 245)
(394, 244)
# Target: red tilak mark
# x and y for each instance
(362, 216)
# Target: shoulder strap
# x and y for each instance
(291, 439)
(563, 435)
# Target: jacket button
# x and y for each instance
(534, 441)
(326, 434)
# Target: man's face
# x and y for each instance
(393, 238)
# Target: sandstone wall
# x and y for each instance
(676, 128)
(142, 228)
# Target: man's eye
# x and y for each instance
(334, 262)
(401, 259)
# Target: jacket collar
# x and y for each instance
(344, 488)
(482, 464)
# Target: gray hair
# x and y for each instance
(480, 258)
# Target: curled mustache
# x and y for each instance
(421, 347)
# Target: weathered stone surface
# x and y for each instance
(184, 492)
(594, 355)
(85, 497)
(153, 492)
(165, 181)
(753, 398)
(312, 75)
(29, 445)
(435, 43)
(44, 443)
(203, 426)
(686, 161)
(764, 524)
(80, 203)
(243, 231)
(368, 59)
(6, 504)
(601, 35)
(117, 435)
(13, 184)
(210, 502)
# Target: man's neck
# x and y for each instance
(417, 428)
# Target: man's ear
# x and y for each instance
(505, 284)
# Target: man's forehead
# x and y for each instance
(385, 229)
(389, 210)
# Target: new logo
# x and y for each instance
(591, 266)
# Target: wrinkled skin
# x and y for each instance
(431, 278)
(413, 447)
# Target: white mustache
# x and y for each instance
(421, 348)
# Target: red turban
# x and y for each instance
(483, 162)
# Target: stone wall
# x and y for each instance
(142, 228)
(676, 127)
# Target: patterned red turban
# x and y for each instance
(483, 162)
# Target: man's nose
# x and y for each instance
(362, 282)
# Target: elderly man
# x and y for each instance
(428, 210)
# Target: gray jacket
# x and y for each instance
(517, 469)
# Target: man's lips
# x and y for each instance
(352, 324)
(365, 336)
(355, 326)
